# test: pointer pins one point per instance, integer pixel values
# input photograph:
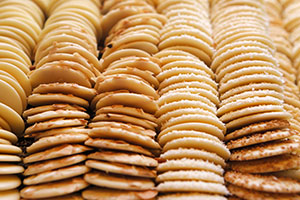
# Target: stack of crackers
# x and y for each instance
(62, 80)
(284, 55)
(20, 25)
(193, 154)
(123, 129)
(251, 93)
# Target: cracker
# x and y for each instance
(57, 131)
(125, 82)
(10, 97)
(66, 88)
(125, 158)
(263, 183)
(189, 164)
(265, 150)
(118, 182)
(117, 145)
(6, 168)
(8, 182)
(128, 99)
(120, 109)
(9, 149)
(48, 115)
(56, 152)
(54, 189)
(10, 194)
(184, 175)
(12, 118)
(191, 196)
(243, 121)
(94, 193)
(8, 136)
(182, 133)
(128, 127)
(291, 173)
(55, 123)
(52, 107)
(257, 138)
(192, 186)
(44, 99)
(56, 175)
(126, 119)
(53, 164)
(184, 104)
(199, 143)
(128, 136)
(266, 165)
(118, 168)
(9, 158)
(257, 127)
(249, 194)
(51, 141)
(193, 154)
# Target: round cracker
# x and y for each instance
(9, 149)
(189, 164)
(193, 154)
(56, 175)
(44, 99)
(263, 183)
(9, 158)
(56, 152)
(129, 136)
(265, 150)
(257, 127)
(125, 158)
(198, 143)
(249, 194)
(8, 182)
(10, 194)
(14, 120)
(185, 175)
(66, 88)
(266, 165)
(192, 186)
(54, 189)
(118, 168)
(6, 168)
(53, 164)
(118, 182)
(120, 145)
(94, 193)
(8, 136)
(55, 123)
(191, 196)
(259, 138)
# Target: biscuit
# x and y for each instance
(12, 118)
(126, 158)
(265, 150)
(118, 168)
(56, 175)
(54, 189)
(53, 164)
(9, 149)
(266, 165)
(257, 138)
(257, 127)
(9, 158)
(263, 183)
(10, 194)
(128, 136)
(192, 154)
(249, 194)
(197, 143)
(56, 152)
(192, 186)
(189, 164)
(190, 175)
(191, 196)
(8, 136)
(8, 182)
(118, 182)
(95, 193)
(7, 168)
